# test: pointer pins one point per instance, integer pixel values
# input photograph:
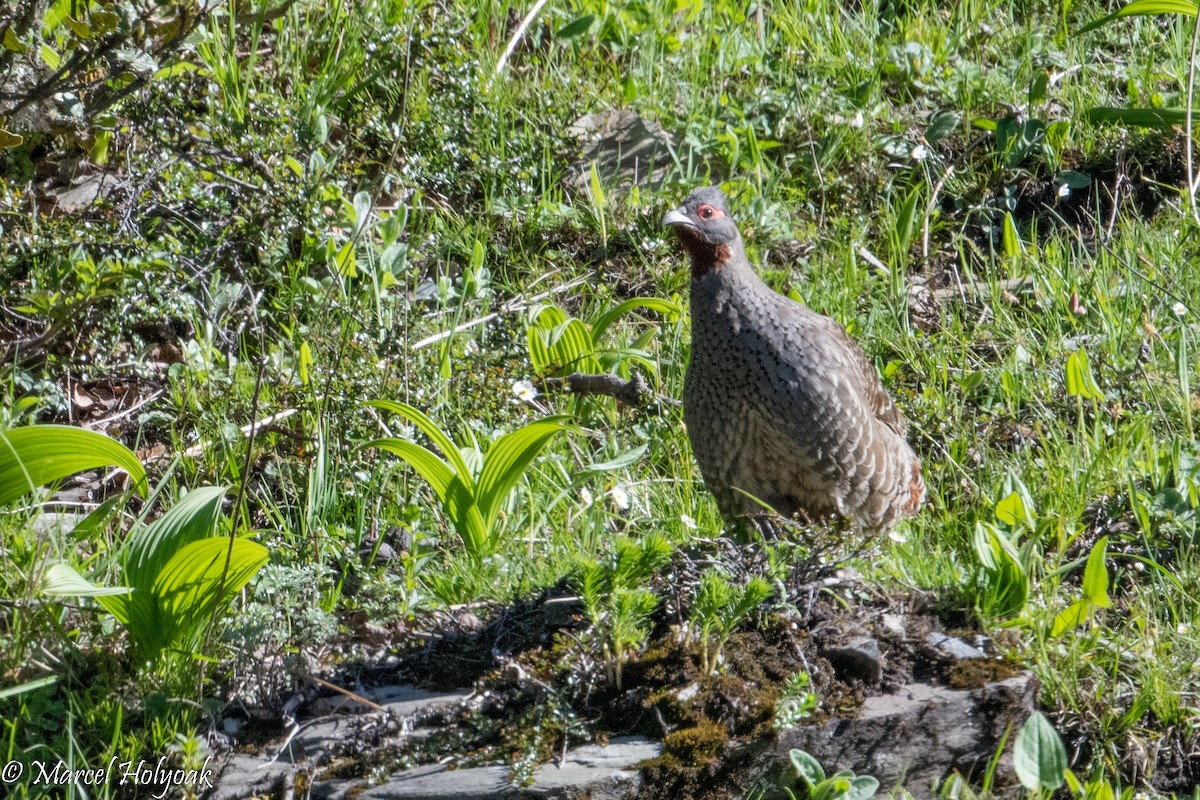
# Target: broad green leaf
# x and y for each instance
(606, 319)
(560, 344)
(807, 767)
(61, 580)
(1095, 575)
(183, 68)
(1011, 237)
(1037, 89)
(56, 13)
(906, 218)
(1011, 510)
(1140, 8)
(599, 199)
(1071, 617)
(12, 43)
(39, 454)
(506, 461)
(192, 518)
(361, 206)
(576, 27)
(304, 362)
(941, 125)
(432, 469)
(1039, 758)
(346, 260)
(191, 584)
(429, 428)
(1080, 381)
(1073, 179)
(458, 498)
(862, 787)
(1007, 580)
(49, 57)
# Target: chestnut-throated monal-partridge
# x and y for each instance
(781, 405)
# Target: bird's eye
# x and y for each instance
(706, 212)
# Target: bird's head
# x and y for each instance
(705, 229)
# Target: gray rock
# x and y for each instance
(627, 149)
(242, 776)
(914, 738)
(859, 659)
(953, 646)
(597, 772)
(894, 625)
(247, 776)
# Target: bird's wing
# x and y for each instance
(820, 345)
(866, 378)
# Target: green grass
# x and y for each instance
(330, 213)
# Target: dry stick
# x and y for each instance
(631, 392)
(516, 37)
(933, 198)
(1193, 178)
(239, 505)
(247, 430)
(512, 307)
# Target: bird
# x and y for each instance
(782, 407)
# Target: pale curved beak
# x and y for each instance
(677, 217)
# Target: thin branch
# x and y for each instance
(516, 37)
(1193, 178)
(633, 392)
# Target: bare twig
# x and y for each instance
(633, 392)
(516, 37)
(1193, 178)
(874, 261)
(514, 306)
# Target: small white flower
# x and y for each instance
(857, 120)
(1180, 310)
(1182, 628)
(1064, 190)
(524, 391)
(919, 152)
(898, 536)
(472, 348)
(585, 497)
(620, 498)
(688, 522)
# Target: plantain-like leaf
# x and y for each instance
(429, 428)
(1095, 575)
(1039, 758)
(807, 767)
(35, 455)
(191, 586)
(506, 462)
(193, 518)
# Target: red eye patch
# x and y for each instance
(709, 212)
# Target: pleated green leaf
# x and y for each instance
(39, 454)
